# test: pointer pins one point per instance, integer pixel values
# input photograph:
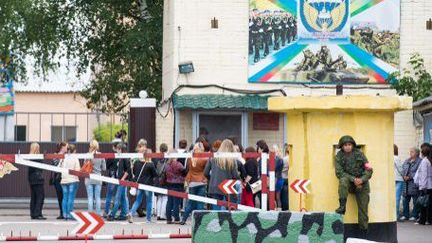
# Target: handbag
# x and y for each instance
(423, 200)
(87, 167)
(55, 177)
(256, 186)
(133, 190)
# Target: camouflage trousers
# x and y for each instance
(362, 198)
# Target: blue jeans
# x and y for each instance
(149, 202)
(109, 195)
(238, 188)
(194, 205)
(284, 196)
(94, 197)
(69, 193)
(218, 197)
(173, 204)
(399, 188)
(406, 202)
(120, 198)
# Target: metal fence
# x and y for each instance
(70, 127)
(16, 184)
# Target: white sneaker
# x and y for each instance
(427, 223)
(412, 219)
(129, 218)
(402, 218)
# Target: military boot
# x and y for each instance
(342, 206)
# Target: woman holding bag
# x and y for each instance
(144, 172)
(93, 187)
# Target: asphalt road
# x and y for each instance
(17, 222)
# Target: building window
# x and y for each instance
(20, 133)
(60, 133)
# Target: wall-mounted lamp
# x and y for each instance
(186, 67)
(215, 23)
(429, 24)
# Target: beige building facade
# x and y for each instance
(220, 57)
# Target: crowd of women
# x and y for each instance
(414, 185)
(197, 176)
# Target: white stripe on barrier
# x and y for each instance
(2, 237)
(31, 156)
(202, 199)
(47, 238)
(19, 160)
(111, 180)
(153, 189)
(272, 181)
(103, 237)
(80, 156)
(263, 172)
(159, 236)
(129, 156)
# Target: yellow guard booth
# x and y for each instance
(315, 125)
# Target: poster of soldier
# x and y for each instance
(323, 41)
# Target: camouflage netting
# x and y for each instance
(238, 226)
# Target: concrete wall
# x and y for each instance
(414, 36)
(237, 226)
(38, 126)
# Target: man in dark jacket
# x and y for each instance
(410, 190)
(353, 171)
(37, 197)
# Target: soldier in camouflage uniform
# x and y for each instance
(353, 171)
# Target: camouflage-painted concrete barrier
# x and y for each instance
(271, 226)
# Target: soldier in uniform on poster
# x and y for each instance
(255, 30)
(277, 29)
(267, 35)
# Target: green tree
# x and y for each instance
(120, 41)
(414, 81)
(107, 132)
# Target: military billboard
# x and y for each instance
(323, 41)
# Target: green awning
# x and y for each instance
(214, 102)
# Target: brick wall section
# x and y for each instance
(414, 36)
(271, 137)
(164, 128)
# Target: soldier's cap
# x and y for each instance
(255, 9)
(346, 139)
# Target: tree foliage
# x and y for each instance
(119, 41)
(415, 80)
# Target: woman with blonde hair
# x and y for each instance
(69, 182)
(94, 187)
(144, 172)
(220, 169)
(36, 182)
(196, 181)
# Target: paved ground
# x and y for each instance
(18, 222)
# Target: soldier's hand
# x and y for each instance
(358, 181)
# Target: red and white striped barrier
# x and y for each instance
(94, 237)
(11, 157)
(18, 159)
